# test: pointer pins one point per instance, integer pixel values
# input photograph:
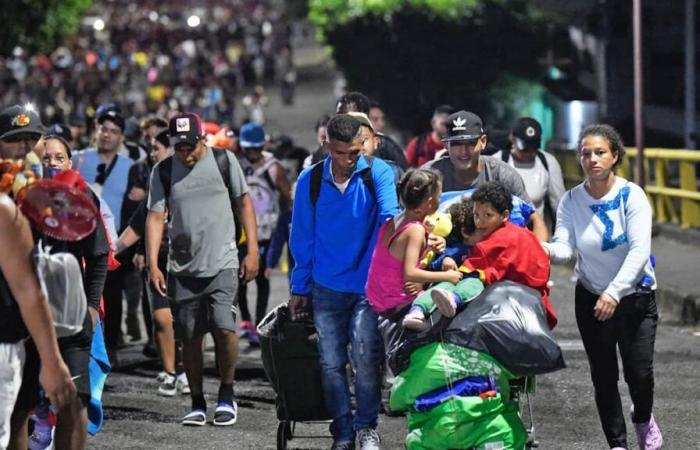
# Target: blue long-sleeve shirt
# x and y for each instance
(332, 243)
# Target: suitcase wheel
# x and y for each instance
(284, 434)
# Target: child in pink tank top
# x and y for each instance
(401, 242)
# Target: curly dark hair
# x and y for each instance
(495, 194)
(462, 214)
(343, 128)
(609, 134)
(418, 185)
(353, 101)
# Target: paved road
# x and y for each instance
(136, 417)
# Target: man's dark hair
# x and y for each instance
(609, 134)
(374, 104)
(322, 121)
(343, 128)
(443, 109)
(495, 194)
(462, 214)
(353, 102)
(153, 121)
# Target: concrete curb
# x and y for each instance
(689, 236)
(677, 307)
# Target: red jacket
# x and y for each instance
(513, 253)
(417, 157)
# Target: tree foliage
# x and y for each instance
(413, 55)
(38, 25)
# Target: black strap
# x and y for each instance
(505, 156)
(101, 178)
(317, 179)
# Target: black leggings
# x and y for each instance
(632, 329)
(262, 283)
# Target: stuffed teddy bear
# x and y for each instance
(439, 224)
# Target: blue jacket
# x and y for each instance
(332, 243)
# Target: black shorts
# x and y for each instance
(75, 351)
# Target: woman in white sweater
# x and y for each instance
(606, 222)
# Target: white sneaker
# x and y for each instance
(161, 376)
(168, 387)
(181, 384)
(369, 439)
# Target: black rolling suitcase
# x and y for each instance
(291, 361)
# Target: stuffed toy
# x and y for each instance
(439, 224)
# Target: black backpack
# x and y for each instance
(165, 174)
(317, 179)
(505, 156)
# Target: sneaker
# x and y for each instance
(649, 435)
(246, 328)
(369, 439)
(343, 445)
(161, 376)
(226, 414)
(195, 418)
(168, 387)
(181, 384)
(445, 302)
(41, 437)
(415, 320)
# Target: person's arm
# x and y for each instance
(301, 245)
(411, 152)
(489, 260)
(414, 238)
(279, 238)
(385, 188)
(154, 230)
(639, 220)
(16, 264)
(127, 239)
(555, 188)
(250, 267)
(283, 186)
(538, 226)
(561, 249)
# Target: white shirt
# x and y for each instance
(341, 186)
(611, 236)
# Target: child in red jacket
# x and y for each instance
(504, 251)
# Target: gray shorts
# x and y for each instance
(200, 305)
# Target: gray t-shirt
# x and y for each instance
(201, 228)
(492, 170)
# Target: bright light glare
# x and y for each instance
(29, 106)
(99, 25)
(153, 16)
(193, 21)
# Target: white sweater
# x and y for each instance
(611, 236)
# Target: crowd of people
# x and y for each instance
(351, 213)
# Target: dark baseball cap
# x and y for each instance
(111, 112)
(185, 128)
(18, 119)
(61, 132)
(463, 126)
(252, 136)
(529, 131)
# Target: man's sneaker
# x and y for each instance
(246, 328)
(649, 435)
(369, 439)
(343, 445)
(445, 301)
(181, 384)
(196, 418)
(226, 414)
(168, 387)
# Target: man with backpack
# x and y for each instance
(338, 206)
(423, 147)
(205, 192)
(270, 191)
(539, 170)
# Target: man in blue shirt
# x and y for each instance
(334, 230)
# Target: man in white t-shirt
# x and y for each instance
(539, 170)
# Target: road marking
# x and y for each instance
(571, 344)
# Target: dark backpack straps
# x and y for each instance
(224, 166)
(543, 159)
(505, 155)
(317, 179)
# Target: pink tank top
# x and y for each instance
(385, 281)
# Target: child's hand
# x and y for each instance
(436, 243)
(449, 264)
(453, 276)
(412, 288)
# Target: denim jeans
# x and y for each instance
(342, 319)
(632, 329)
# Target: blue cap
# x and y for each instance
(252, 135)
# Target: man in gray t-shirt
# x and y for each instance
(202, 258)
(465, 168)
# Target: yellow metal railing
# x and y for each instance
(672, 186)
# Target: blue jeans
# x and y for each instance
(342, 319)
